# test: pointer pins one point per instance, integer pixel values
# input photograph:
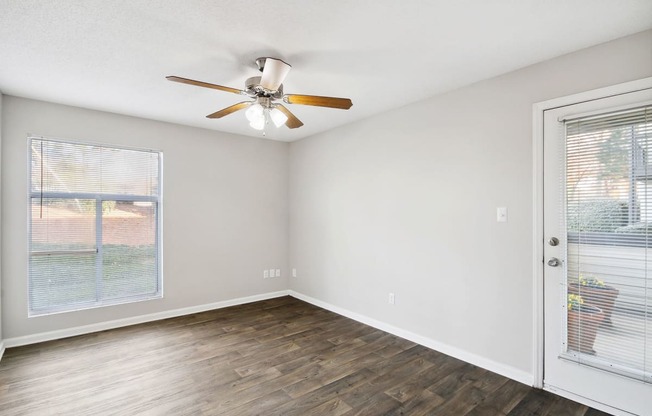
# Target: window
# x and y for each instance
(94, 236)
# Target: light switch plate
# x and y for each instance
(501, 214)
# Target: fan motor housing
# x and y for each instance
(253, 87)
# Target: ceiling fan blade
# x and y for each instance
(332, 102)
(292, 122)
(228, 110)
(274, 73)
(205, 85)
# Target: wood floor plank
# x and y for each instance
(278, 357)
(334, 407)
(535, 403)
(378, 404)
(505, 398)
(462, 402)
(420, 404)
(301, 405)
(567, 408)
(449, 385)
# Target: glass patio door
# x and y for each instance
(598, 251)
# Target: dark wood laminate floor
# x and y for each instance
(275, 357)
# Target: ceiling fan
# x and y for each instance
(264, 91)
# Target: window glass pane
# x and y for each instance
(82, 168)
(129, 249)
(62, 280)
(129, 172)
(64, 167)
(63, 224)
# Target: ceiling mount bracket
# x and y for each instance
(260, 63)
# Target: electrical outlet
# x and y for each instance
(391, 299)
(294, 272)
(265, 274)
(278, 272)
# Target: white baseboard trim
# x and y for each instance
(2, 349)
(502, 369)
(102, 326)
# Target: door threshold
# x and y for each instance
(583, 400)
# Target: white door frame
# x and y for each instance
(537, 215)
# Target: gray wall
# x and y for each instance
(405, 202)
(224, 210)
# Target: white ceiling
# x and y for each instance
(114, 55)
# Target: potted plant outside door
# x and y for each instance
(596, 293)
(582, 324)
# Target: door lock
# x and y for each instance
(554, 262)
(553, 241)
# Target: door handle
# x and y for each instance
(554, 262)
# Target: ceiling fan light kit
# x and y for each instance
(264, 90)
(278, 117)
(259, 115)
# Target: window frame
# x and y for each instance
(99, 198)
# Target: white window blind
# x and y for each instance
(609, 240)
(94, 225)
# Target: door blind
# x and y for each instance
(608, 209)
